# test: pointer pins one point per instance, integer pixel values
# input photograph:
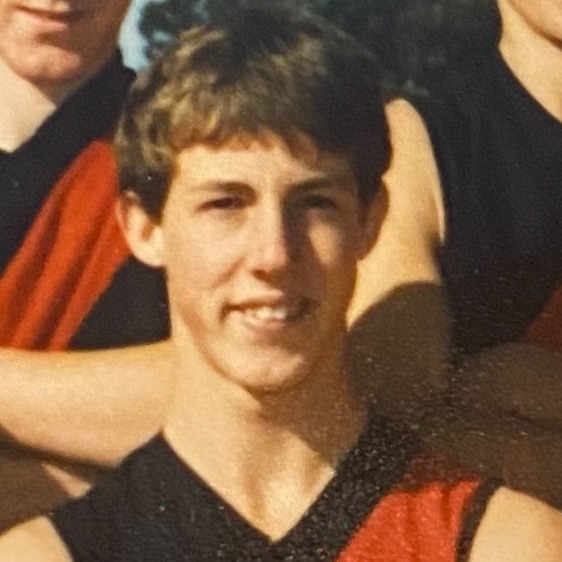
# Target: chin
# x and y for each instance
(66, 68)
(271, 379)
(53, 68)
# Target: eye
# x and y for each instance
(224, 203)
(318, 201)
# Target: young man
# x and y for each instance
(97, 408)
(250, 157)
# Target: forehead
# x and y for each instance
(104, 6)
(262, 160)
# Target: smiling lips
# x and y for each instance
(64, 15)
(273, 315)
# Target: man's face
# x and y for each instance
(260, 251)
(54, 42)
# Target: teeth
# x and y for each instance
(270, 313)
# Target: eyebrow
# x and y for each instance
(339, 183)
(228, 186)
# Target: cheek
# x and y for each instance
(190, 284)
(196, 264)
(335, 258)
(336, 245)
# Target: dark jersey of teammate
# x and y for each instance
(133, 308)
(499, 157)
(387, 502)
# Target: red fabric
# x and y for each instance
(418, 521)
(68, 257)
(546, 330)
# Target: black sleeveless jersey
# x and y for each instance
(377, 508)
(133, 309)
(499, 155)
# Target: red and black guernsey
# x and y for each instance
(67, 279)
(388, 502)
(499, 157)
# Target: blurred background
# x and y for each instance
(417, 41)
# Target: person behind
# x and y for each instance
(62, 85)
(66, 280)
(250, 157)
(474, 204)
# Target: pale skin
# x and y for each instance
(107, 420)
(48, 49)
(281, 411)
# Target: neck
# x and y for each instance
(535, 60)
(25, 105)
(269, 457)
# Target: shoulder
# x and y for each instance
(121, 516)
(433, 511)
(518, 528)
(407, 130)
(412, 179)
(408, 213)
(33, 541)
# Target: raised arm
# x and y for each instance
(90, 407)
(399, 335)
(502, 411)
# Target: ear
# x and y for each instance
(142, 232)
(375, 214)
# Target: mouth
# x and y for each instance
(272, 315)
(62, 16)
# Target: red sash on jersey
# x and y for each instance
(68, 257)
(546, 330)
(421, 519)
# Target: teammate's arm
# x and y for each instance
(33, 541)
(518, 528)
(506, 418)
(399, 339)
(91, 407)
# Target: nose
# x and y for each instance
(271, 242)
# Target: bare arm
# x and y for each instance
(34, 541)
(518, 379)
(517, 528)
(399, 346)
(503, 415)
(89, 407)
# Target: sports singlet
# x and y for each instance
(499, 157)
(386, 503)
(129, 305)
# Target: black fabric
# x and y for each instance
(499, 155)
(28, 174)
(473, 517)
(155, 508)
(134, 309)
